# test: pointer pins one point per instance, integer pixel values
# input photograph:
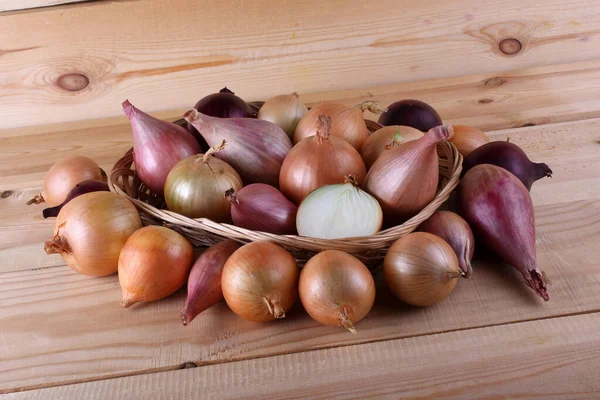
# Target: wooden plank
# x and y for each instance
(550, 359)
(168, 54)
(13, 5)
(59, 326)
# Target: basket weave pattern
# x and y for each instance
(204, 232)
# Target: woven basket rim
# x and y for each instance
(366, 245)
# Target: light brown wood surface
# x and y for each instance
(553, 359)
(13, 5)
(80, 62)
(60, 327)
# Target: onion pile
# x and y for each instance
(336, 182)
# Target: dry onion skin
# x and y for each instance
(386, 138)
(336, 289)
(260, 281)
(467, 138)
(90, 232)
(154, 263)
(347, 123)
(421, 269)
(285, 111)
(63, 176)
(196, 184)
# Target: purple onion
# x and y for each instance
(413, 113)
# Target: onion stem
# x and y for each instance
(37, 199)
(58, 245)
(345, 321)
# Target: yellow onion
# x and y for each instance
(260, 281)
(317, 161)
(63, 176)
(467, 138)
(386, 138)
(90, 232)
(404, 179)
(347, 123)
(285, 110)
(421, 269)
(336, 289)
(196, 184)
(339, 211)
(154, 263)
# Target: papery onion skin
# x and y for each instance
(260, 281)
(510, 157)
(467, 138)
(285, 110)
(63, 176)
(195, 187)
(421, 269)
(339, 211)
(157, 146)
(457, 233)
(410, 112)
(256, 148)
(346, 123)
(336, 289)
(261, 207)
(154, 263)
(386, 138)
(90, 232)
(318, 161)
(498, 207)
(78, 190)
(404, 179)
(204, 283)
(223, 104)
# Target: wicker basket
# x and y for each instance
(204, 232)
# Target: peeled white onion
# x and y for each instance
(339, 211)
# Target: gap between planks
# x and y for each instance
(541, 339)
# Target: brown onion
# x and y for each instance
(63, 176)
(499, 209)
(336, 289)
(467, 138)
(386, 138)
(153, 264)
(404, 179)
(260, 281)
(157, 146)
(421, 269)
(195, 186)
(285, 110)
(79, 189)
(90, 232)
(347, 123)
(261, 207)
(204, 283)
(457, 233)
(318, 161)
(256, 148)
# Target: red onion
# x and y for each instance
(499, 209)
(404, 179)
(224, 104)
(261, 207)
(78, 190)
(204, 282)
(256, 148)
(510, 157)
(414, 113)
(457, 233)
(157, 146)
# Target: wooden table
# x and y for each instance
(64, 336)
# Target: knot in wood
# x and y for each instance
(73, 82)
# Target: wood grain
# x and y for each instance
(12, 5)
(168, 54)
(59, 326)
(550, 359)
